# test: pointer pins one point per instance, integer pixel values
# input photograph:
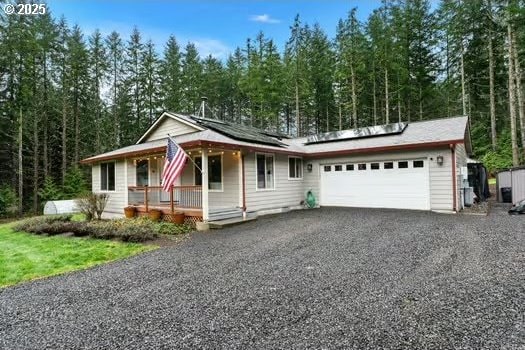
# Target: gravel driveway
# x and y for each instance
(326, 278)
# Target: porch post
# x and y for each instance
(205, 206)
(146, 198)
(242, 184)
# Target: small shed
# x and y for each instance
(61, 207)
(513, 180)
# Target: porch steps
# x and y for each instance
(224, 213)
(230, 222)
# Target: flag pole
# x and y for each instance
(186, 154)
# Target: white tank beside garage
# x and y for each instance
(61, 207)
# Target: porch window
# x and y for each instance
(295, 168)
(265, 177)
(214, 172)
(142, 171)
(107, 176)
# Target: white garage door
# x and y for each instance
(402, 184)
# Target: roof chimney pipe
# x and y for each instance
(202, 109)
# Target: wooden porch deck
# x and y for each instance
(166, 210)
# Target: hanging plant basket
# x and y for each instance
(154, 214)
(130, 212)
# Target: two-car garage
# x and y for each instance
(402, 184)
(414, 166)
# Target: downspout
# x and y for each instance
(243, 187)
(454, 180)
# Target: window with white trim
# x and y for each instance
(107, 176)
(214, 172)
(142, 172)
(295, 168)
(265, 171)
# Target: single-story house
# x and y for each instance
(412, 165)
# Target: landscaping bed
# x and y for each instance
(125, 230)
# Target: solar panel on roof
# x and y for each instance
(239, 132)
(371, 131)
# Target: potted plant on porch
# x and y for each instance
(177, 217)
(154, 214)
(130, 211)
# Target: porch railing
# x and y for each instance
(155, 196)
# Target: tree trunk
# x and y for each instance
(493, 132)
(99, 106)
(398, 98)
(116, 130)
(20, 165)
(327, 120)
(45, 121)
(340, 117)
(519, 92)
(35, 163)
(374, 98)
(447, 46)
(387, 107)
(77, 131)
(463, 91)
(512, 98)
(354, 96)
(64, 135)
(36, 145)
(287, 119)
(297, 117)
(420, 103)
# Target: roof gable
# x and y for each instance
(169, 123)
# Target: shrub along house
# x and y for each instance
(401, 165)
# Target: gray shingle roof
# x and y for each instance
(430, 131)
(424, 132)
(240, 132)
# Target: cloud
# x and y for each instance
(264, 19)
(214, 47)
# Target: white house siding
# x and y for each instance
(118, 198)
(229, 196)
(461, 161)
(441, 197)
(95, 178)
(169, 126)
(187, 177)
(132, 172)
(286, 193)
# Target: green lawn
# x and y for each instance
(24, 256)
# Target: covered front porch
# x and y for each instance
(219, 195)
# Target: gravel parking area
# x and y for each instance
(325, 278)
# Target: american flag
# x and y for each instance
(175, 161)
